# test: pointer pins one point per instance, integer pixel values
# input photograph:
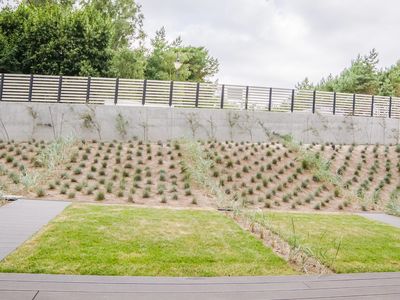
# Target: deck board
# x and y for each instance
(75, 287)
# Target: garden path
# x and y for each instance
(384, 218)
(21, 219)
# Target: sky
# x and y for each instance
(279, 42)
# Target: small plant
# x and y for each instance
(146, 193)
(317, 206)
(309, 198)
(40, 192)
(121, 125)
(336, 192)
(100, 196)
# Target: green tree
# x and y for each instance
(127, 63)
(361, 77)
(305, 85)
(199, 63)
(10, 23)
(52, 39)
(160, 62)
(96, 38)
(195, 62)
(126, 20)
(389, 80)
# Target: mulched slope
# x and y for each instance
(262, 175)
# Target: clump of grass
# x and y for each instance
(100, 196)
(146, 193)
(319, 166)
(393, 206)
(79, 187)
(40, 192)
(55, 153)
(196, 166)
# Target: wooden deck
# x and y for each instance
(60, 287)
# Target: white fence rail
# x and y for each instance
(116, 91)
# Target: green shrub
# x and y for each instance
(100, 196)
(40, 192)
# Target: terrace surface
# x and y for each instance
(384, 218)
(22, 219)
(345, 286)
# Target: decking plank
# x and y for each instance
(342, 286)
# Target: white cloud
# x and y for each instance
(279, 42)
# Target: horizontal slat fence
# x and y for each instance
(134, 92)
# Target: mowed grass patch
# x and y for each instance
(120, 240)
(346, 243)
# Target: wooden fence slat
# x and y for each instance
(78, 89)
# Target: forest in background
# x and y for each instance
(362, 77)
(94, 38)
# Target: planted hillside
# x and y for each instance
(276, 175)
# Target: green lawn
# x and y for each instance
(363, 245)
(118, 240)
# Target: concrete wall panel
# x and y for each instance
(42, 121)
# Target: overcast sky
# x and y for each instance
(279, 42)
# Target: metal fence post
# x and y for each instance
(334, 103)
(222, 95)
(354, 104)
(30, 88)
(89, 82)
(196, 104)
(171, 92)
(1, 86)
(270, 99)
(390, 106)
(372, 105)
(144, 91)
(292, 102)
(247, 98)
(116, 91)
(60, 81)
(313, 101)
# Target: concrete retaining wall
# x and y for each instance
(43, 121)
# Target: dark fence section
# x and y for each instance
(119, 91)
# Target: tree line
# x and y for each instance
(362, 77)
(94, 38)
